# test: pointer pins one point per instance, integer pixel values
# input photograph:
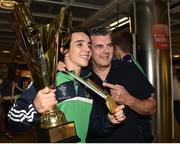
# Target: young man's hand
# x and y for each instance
(45, 99)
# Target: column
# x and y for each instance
(153, 53)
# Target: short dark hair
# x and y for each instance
(123, 40)
(99, 31)
(74, 30)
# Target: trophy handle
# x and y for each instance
(27, 23)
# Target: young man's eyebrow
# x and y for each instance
(77, 41)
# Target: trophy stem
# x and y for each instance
(52, 118)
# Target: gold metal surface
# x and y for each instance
(62, 132)
(111, 104)
(53, 118)
(40, 45)
(7, 4)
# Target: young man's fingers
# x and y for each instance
(44, 90)
(47, 90)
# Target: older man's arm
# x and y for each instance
(122, 96)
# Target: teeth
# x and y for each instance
(85, 57)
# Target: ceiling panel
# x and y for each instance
(86, 13)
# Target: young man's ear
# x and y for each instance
(63, 51)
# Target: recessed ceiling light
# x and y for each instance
(124, 19)
(121, 22)
(176, 56)
(6, 51)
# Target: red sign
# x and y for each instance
(160, 36)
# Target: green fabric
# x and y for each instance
(138, 65)
(62, 78)
(78, 109)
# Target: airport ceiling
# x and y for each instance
(86, 13)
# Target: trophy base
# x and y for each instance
(65, 133)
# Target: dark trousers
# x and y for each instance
(7, 104)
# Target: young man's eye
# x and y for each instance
(79, 44)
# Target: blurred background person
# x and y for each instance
(123, 50)
(11, 86)
(26, 79)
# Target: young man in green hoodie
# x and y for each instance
(71, 97)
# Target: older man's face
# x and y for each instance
(102, 50)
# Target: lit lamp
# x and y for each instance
(7, 4)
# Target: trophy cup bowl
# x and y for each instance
(39, 46)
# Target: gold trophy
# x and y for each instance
(39, 45)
